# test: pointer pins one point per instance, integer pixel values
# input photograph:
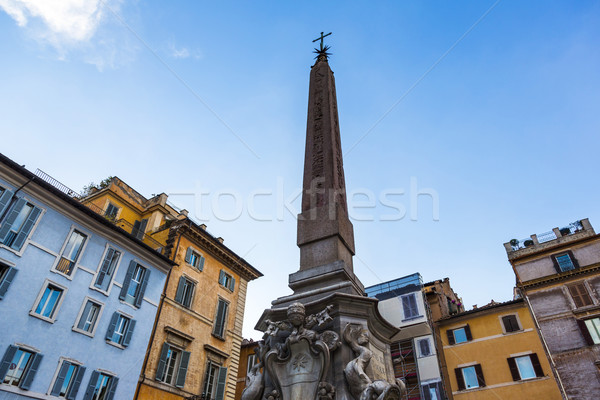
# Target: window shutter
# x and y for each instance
(580, 295)
(5, 200)
(222, 277)
(450, 334)
(180, 288)
(27, 226)
(7, 360)
(30, 373)
(142, 229)
(426, 395)
(105, 266)
(75, 387)
(185, 359)
(129, 333)
(84, 314)
(10, 219)
(514, 371)
(162, 362)
(112, 326)
(188, 254)
(480, 378)
(89, 392)
(60, 378)
(537, 367)
(140, 296)
(127, 280)
(114, 381)
(201, 263)
(468, 332)
(10, 276)
(584, 331)
(459, 378)
(221, 383)
(510, 323)
(232, 284)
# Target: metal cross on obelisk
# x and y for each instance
(321, 38)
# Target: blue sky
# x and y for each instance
(493, 106)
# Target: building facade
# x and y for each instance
(195, 345)
(78, 296)
(413, 349)
(495, 352)
(558, 275)
(248, 359)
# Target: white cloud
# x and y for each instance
(183, 52)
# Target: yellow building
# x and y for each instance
(195, 345)
(494, 352)
(248, 359)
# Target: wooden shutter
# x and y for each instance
(514, 371)
(188, 254)
(580, 295)
(460, 380)
(221, 383)
(450, 334)
(84, 314)
(10, 276)
(510, 323)
(31, 371)
(7, 360)
(232, 284)
(10, 219)
(480, 378)
(220, 319)
(140, 295)
(129, 333)
(222, 277)
(468, 332)
(584, 331)
(537, 367)
(75, 387)
(142, 229)
(200, 263)
(162, 362)
(60, 378)
(112, 326)
(105, 266)
(183, 365)
(5, 198)
(27, 226)
(114, 381)
(127, 280)
(91, 386)
(180, 289)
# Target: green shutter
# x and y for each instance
(200, 263)
(232, 284)
(75, 387)
(162, 362)
(31, 371)
(112, 326)
(221, 383)
(188, 254)
(127, 280)
(10, 276)
(222, 277)
(219, 328)
(5, 200)
(114, 381)
(183, 365)
(180, 288)
(129, 333)
(10, 219)
(27, 226)
(89, 392)
(60, 378)
(7, 360)
(140, 295)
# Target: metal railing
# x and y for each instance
(546, 236)
(128, 227)
(570, 229)
(63, 188)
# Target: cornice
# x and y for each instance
(552, 279)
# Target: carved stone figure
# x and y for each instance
(359, 383)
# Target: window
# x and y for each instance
(525, 367)
(101, 387)
(111, 211)
(220, 319)
(510, 323)
(250, 363)
(7, 275)
(194, 259)
(139, 228)
(48, 301)
(120, 329)
(71, 251)
(185, 292)
(18, 224)
(432, 391)
(564, 262)
(590, 328)
(226, 280)
(580, 295)
(19, 366)
(68, 380)
(134, 285)
(88, 317)
(469, 377)
(214, 381)
(459, 335)
(107, 269)
(424, 347)
(172, 366)
(409, 304)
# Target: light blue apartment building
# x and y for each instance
(78, 296)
